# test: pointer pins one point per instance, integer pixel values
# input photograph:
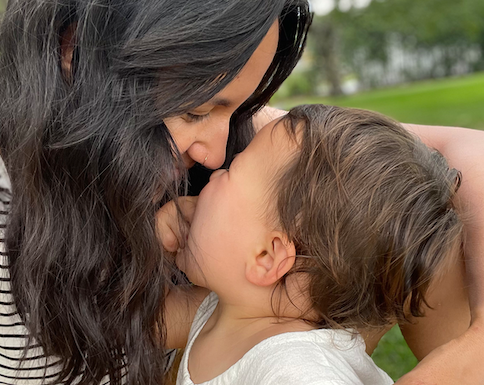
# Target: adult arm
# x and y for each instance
(459, 361)
(464, 150)
(455, 326)
(181, 305)
(266, 115)
(459, 358)
(449, 340)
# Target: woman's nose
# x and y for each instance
(210, 147)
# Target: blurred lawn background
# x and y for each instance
(457, 101)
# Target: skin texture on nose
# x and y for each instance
(201, 135)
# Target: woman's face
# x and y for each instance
(201, 134)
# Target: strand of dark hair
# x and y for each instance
(88, 155)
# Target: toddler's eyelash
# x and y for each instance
(196, 118)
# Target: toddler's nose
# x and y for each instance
(217, 173)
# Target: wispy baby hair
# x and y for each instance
(372, 207)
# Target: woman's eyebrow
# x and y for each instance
(220, 102)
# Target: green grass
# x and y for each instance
(448, 102)
(393, 355)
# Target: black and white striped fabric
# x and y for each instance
(35, 368)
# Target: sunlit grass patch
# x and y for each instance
(447, 102)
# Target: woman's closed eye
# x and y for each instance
(191, 117)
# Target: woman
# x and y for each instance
(104, 106)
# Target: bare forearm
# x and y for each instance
(464, 150)
(448, 316)
(457, 362)
(266, 115)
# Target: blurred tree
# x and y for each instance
(392, 41)
(323, 43)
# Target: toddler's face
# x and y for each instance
(232, 216)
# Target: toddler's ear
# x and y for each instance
(268, 266)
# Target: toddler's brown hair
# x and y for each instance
(372, 207)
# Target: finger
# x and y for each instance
(168, 237)
(168, 222)
(167, 227)
(188, 205)
(266, 115)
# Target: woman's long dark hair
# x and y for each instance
(87, 153)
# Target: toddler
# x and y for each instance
(331, 220)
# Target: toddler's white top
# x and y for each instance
(322, 356)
